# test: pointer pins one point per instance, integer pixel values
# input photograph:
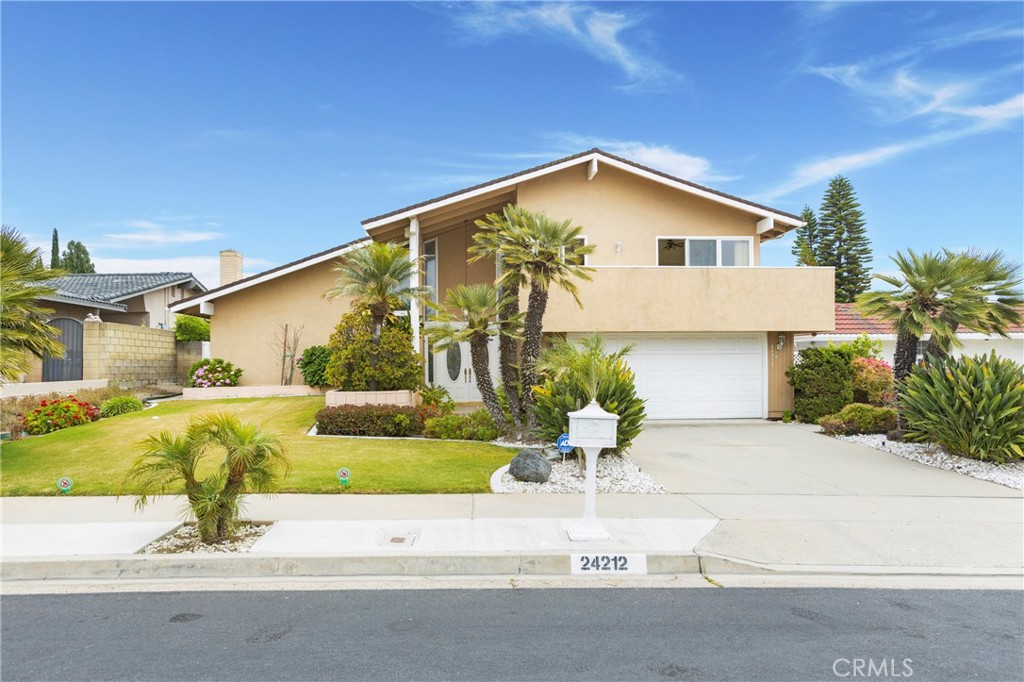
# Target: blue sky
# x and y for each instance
(160, 133)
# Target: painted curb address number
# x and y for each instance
(605, 564)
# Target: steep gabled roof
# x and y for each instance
(111, 288)
(590, 155)
(267, 275)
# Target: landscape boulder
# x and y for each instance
(530, 466)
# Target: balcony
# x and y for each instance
(666, 299)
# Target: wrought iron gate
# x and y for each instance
(68, 367)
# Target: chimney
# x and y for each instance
(230, 266)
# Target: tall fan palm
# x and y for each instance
(937, 293)
(471, 316)
(254, 461)
(23, 328)
(540, 252)
(378, 277)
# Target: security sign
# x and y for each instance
(563, 444)
(343, 475)
(64, 485)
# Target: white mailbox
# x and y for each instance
(592, 427)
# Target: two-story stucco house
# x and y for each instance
(676, 274)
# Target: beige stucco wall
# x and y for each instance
(696, 299)
(617, 206)
(453, 267)
(244, 324)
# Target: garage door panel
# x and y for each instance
(697, 376)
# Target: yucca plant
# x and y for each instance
(574, 375)
(970, 406)
(254, 461)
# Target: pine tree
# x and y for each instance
(807, 238)
(55, 251)
(844, 244)
(76, 259)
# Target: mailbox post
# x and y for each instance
(591, 429)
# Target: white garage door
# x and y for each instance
(697, 376)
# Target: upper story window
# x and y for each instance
(430, 267)
(705, 252)
(569, 252)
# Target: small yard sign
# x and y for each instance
(563, 444)
(343, 475)
(64, 485)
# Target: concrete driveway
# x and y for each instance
(786, 496)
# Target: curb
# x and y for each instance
(153, 566)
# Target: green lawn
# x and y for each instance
(97, 455)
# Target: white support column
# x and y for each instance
(414, 257)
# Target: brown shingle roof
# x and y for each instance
(849, 321)
(595, 150)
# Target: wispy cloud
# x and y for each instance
(146, 233)
(658, 156)
(900, 88)
(598, 31)
(205, 268)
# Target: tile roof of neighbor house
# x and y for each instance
(595, 150)
(109, 288)
(849, 321)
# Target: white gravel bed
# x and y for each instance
(1011, 475)
(615, 474)
(186, 539)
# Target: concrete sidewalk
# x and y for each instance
(744, 497)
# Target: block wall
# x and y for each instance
(127, 354)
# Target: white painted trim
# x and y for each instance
(84, 303)
(765, 225)
(205, 308)
(764, 375)
(592, 169)
(414, 258)
(589, 158)
(562, 251)
(260, 279)
(686, 252)
(157, 288)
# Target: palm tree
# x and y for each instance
(254, 461)
(536, 251)
(471, 316)
(23, 328)
(379, 278)
(937, 293)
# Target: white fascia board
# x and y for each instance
(486, 189)
(711, 196)
(260, 279)
(85, 303)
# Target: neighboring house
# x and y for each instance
(137, 299)
(676, 274)
(850, 324)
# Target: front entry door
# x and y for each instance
(453, 370)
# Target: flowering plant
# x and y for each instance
(873, 381)
(212, 373)
(60, 413)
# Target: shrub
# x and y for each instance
(355, 360)
(571, 373)
(313, 365)
(254, 462)
(54, 415)
(861, 347)
(438, 398)
(191, 328)
(859, 418)
(213, 372)
(122, 405)
(477, 425)
(872, 381)
(822, 381)
(371, 420)
(970, 406)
